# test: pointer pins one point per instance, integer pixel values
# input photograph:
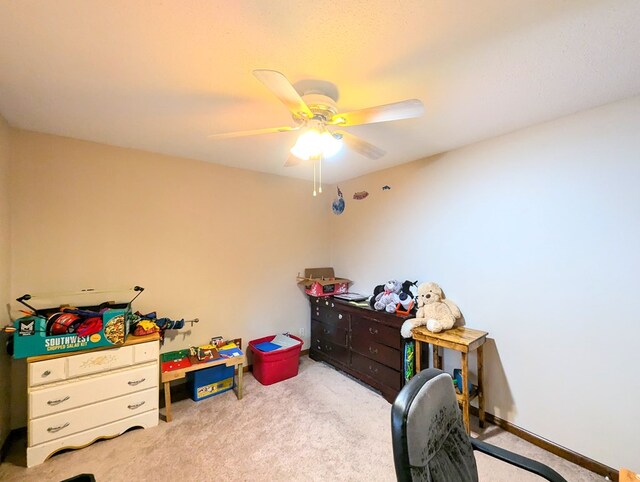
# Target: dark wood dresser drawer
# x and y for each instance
(367, 330)
(378, 371)
(381, 353)
(331, 333)
(331, 350)
(330, 315)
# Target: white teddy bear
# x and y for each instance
(434, 311)
(388, 299)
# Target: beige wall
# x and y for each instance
(535, 235)
(5, 272)
(217, 243)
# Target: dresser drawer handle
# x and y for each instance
(135, 405)
(373, 370)
(339, 316)
(373, 351)
(332, 305)
(46, 373)
(136, 382)
(58, 428)
(57, 402)
(325, 331)
(373, 331)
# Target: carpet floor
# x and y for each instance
(318, 426)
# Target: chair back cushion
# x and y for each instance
(429, 439)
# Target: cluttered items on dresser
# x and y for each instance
(394, 297)
(82, 320)
(71, 321)
(322, 282)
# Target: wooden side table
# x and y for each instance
(627, 476)
(464, 340)
(167, 377)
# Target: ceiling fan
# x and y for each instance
(316, 114)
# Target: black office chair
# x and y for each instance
(429, 439)
(81, 478)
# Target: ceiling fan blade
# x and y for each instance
(405, 109)
(361, 146)
(292, 161)
(230, 135)
(283, 90)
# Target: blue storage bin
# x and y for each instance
(210, 381)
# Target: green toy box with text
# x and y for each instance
(69, 330)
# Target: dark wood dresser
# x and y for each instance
(362, 342)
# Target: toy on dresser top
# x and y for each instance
(70, 321)
(393, 297)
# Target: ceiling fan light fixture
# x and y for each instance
(313, 144)
(330, 145)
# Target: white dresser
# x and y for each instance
(77, 398)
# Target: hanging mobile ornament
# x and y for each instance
(360, 195)
(338, 204)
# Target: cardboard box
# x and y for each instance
(323, 282)
(33, 335)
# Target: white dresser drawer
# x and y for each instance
(47, 371)
(99, 361)
(145, 352)
(73, 394)
(84, 418)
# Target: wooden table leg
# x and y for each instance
(239, 393)
(418, 349)
(167, 401)
(465, 391)
(436, 358)
(480, 388)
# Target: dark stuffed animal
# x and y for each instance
(376, 291)
(406, 288)
(406, 296)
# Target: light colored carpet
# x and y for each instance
(320, 425)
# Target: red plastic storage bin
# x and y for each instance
(275, 366)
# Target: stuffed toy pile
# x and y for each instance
(391, 295)
(434, 311)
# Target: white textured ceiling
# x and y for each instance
(161, 75)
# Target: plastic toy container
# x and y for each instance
(210, 381)
(275, 366)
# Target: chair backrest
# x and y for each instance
(429, 439)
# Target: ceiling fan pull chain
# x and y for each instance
(314, 180)
(320, 174)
